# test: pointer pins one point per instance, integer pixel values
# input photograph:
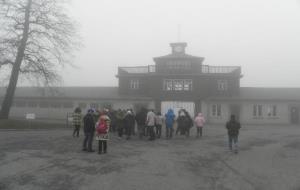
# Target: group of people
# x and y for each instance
(149, 125)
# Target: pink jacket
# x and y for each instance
(199, 120)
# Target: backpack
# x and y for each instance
(101, 128)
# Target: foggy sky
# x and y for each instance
(261, 36)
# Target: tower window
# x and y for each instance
(222, 85)
(134, 84)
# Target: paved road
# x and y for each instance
(52, 159)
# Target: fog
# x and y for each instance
(261, 36)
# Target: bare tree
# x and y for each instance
(36, 36)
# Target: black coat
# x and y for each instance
(129, 120)
(233, 128)
(89, 123)
(141, 118)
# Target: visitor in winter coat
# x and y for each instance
(159, 119)
(169, 121)
(102, 132)
(89, 129)
(77, 120)
(233, 128)
(150, 124)
(188, 123)
(199, 123)
(140, 118)
(181, 123)
(119, 122)
(129, 123)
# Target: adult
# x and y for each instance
(102, 129)
(150, 124)
(181, 122)
(140, 118)
(188, 123)
(159, 119)
(199, 123)
(169, 120)
(119, 122)
(233, 128)
(89, 129)
(77, 120)
(129, 123)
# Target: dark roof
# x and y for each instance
(178, 55)
(70, 92)
(260, 93)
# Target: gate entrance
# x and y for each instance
(176, 106)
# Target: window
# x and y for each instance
(272, 111)
(188, 85)
(216, 110)
(44, 104)
(135, 84)
(178, 84)
(168, 85)
(55, 104)
(257, 110)
(222, 85)
(32, 104)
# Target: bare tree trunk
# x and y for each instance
(9, 96)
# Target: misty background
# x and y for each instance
(261, 36)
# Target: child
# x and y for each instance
(199, 122)
(102, 130)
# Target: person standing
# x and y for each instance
(233, 128)
(199, 122)
(129, 123)
(89, 129)
(77, 119)
(159, 119)
(140, 118)
(119, 122)
(169, 120)
(188, 123)
(102, 128)
(181, 122)
(150, 124)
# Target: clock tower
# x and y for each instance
(178, 48)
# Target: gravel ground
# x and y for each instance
(52, 159)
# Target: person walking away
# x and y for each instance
(181, 121)
(140, 118)
(102, 129)
(188, 123)
(129, 123)
(169, 120)
(199, 123)
(233, 128)
(119, 122)
(89, 129)
(159, 119)
(150, 124)
(77, 120)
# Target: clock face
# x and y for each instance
(178, 49)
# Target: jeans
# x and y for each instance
(76, 130)
(141, 130)
(151, 132)
(199, 131)
(233, 142)
(88, 139)
(102, 146)
(158, 130)
(169, 132)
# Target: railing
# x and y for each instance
(205, 69)
(219, 69)
(139, 69)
